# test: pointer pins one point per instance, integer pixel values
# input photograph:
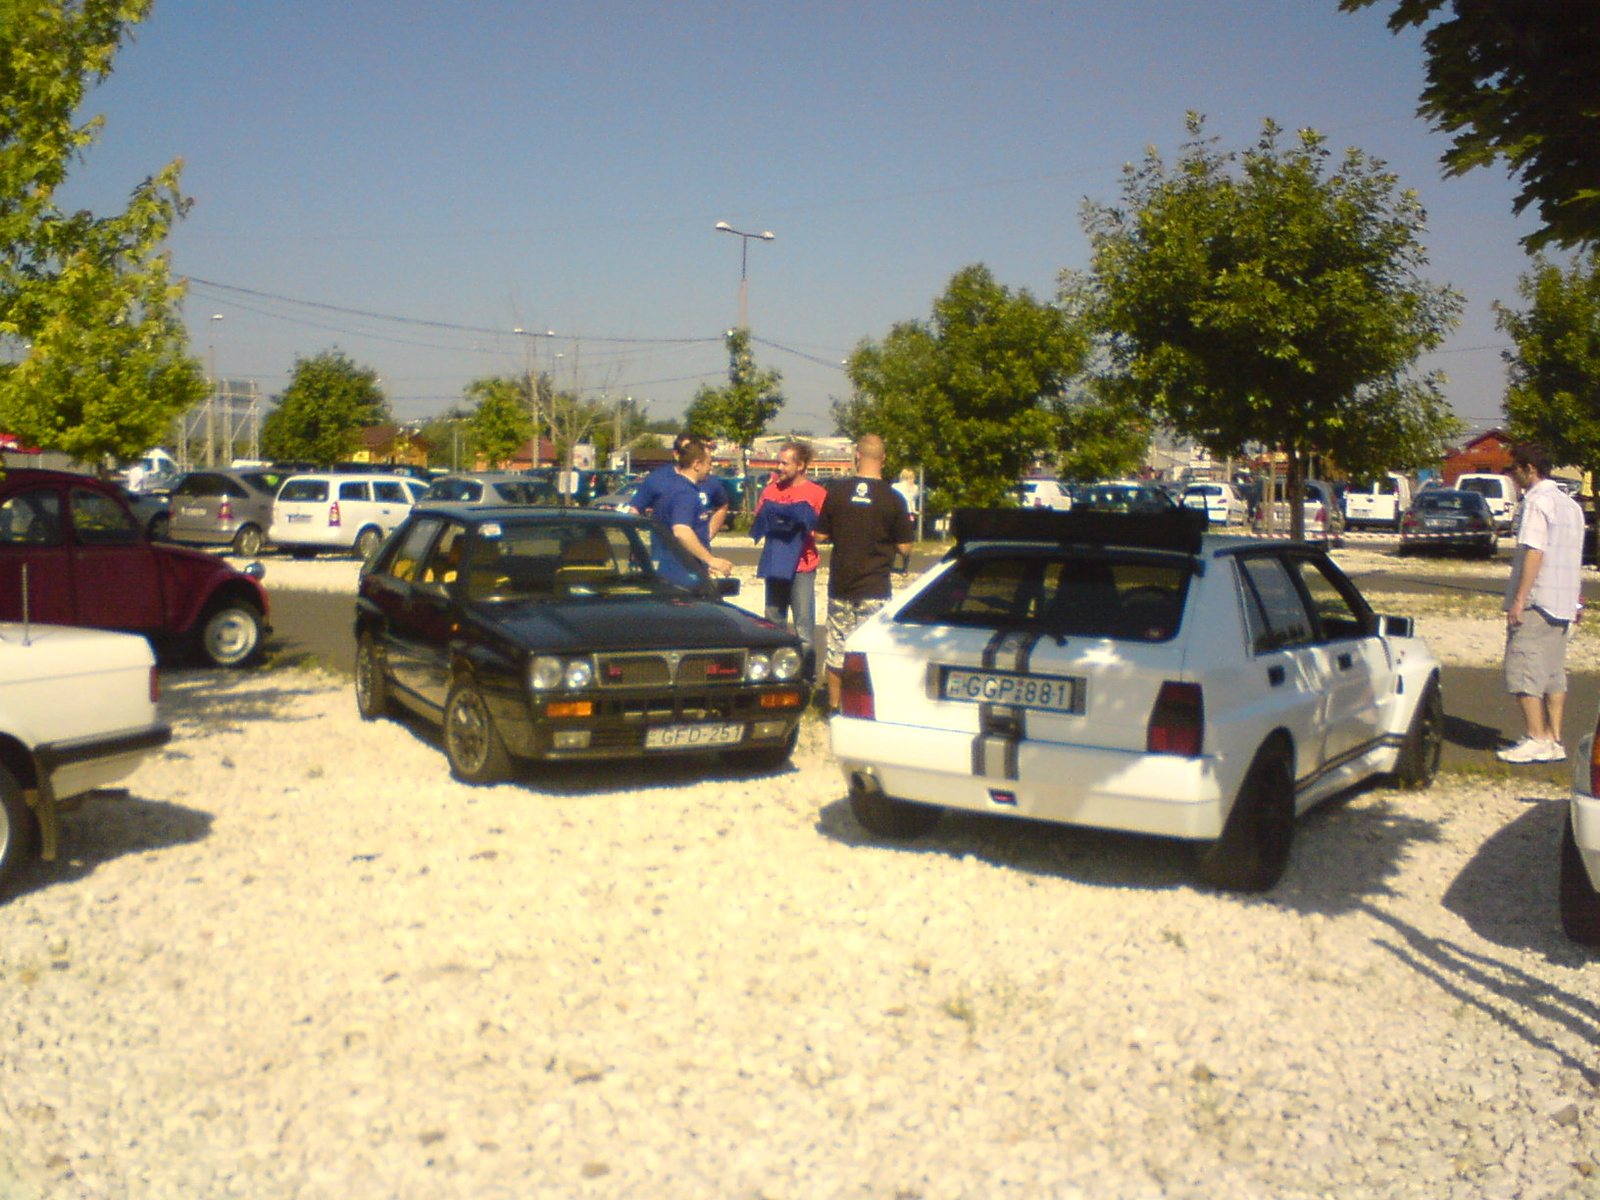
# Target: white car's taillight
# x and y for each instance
(333, 513)
(1178, 720)
(225, 511)
(155, 686)
(855, 692)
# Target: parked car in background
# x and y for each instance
(1322, 515)
(1132, 672)
(342, 512)
(1045, 493)
(1498, 490)
(1442, 519)
(1377, 503)
(617, 500)
(151, 510)
(489, 487)
(581, 487)
(1221, 502)
(223, 508)
(1578, 878)
(539, 633)
(1122, 496)
(77, 712)
(72, 553)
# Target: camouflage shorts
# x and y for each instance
(843, 617)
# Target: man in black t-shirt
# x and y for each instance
(865, 521)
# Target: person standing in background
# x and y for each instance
(786, 514)
(1542, 603)
(866, 522)
(912, 495)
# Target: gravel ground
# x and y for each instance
(299, 961)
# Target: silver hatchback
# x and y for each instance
(223, 508)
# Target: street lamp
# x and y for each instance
(744, 259)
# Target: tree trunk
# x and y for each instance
(1294, 487)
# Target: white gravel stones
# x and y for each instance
(299, 961)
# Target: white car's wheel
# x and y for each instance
(1580, 903)
(1253, 851)
(1420, 753)
(888, 817)
(19, 830)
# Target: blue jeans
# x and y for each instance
(796, 597)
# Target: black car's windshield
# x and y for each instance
(559, 560)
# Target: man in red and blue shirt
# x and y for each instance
(786, 514)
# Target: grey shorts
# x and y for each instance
(843, 617)
(1536, 655)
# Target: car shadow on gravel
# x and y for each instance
(1506, 893)
(106, 826)
(1343, 855)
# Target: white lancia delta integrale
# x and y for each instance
(1131, 672)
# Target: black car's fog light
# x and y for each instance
(768, 729)
(570, 739)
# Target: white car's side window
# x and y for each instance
(1273, 608)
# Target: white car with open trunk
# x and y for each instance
(78, 712)
(1132, 672)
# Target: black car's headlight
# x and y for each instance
(546, 672)
(787, 664)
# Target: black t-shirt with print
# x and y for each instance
(865, 519)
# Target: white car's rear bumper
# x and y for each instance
(1072, 785)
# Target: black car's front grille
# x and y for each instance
(687, 668)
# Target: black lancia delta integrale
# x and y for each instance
(568, 634)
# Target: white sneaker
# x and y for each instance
(1530, 750)
(1554, 752)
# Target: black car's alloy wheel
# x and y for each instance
(372, 685)
(471, 742)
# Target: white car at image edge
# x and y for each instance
(1132, 672)
(1579, 875)
(77, 712)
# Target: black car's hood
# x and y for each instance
(594, 623)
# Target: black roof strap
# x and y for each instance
(1180, 530)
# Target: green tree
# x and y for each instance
(973, 395)
(1554, 391)
(1515, 80)
(320, 414)
(740, 411)
(1261, 298)
(501, 421)
(1101, 435)
(99, 357)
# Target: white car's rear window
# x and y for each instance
(1133, 597)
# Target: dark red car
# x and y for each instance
(71, 553)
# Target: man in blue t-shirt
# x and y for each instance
(683, 506)
(655, 484)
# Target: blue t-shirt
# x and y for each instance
(682, 503)
(655, 485)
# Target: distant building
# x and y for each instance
(1487, 454)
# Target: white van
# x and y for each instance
(1377, 502)
(1498, 490)
(353, 513)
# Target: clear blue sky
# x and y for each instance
(492, 164)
